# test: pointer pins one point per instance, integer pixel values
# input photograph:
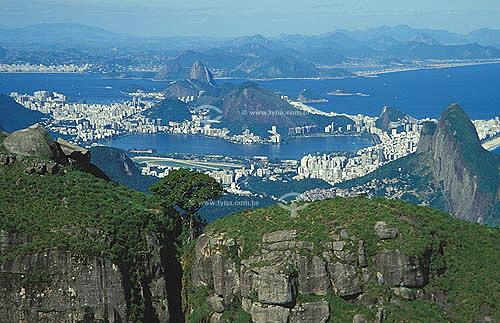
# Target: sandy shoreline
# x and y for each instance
(492, 144)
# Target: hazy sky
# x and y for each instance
(268, 17)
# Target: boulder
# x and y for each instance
(216, 303)
(317, 312)
(276, 287)
(359, 318)
(345, 279)
(279, 236)
(77, 153)
(268, 313)
(34, 141)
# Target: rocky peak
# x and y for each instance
(389, 117)
(466, 172)
(201, 73)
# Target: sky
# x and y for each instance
(225, 18)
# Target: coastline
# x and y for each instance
(492, 144)
(357, 74)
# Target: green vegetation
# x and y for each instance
(184, 192)
(280, 188)
(480, 162)
(463, 255)
(169, 109)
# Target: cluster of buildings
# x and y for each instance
(335, 169)
(201, 125)
(88, 122)
(40, 68)
(234, 179)
(487, 128)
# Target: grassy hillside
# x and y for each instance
(464, 257)
(83, 214)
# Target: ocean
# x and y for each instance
(424, 93)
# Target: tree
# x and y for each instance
(183, 193)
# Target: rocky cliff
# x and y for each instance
(201, 73)
(468, 174)
(450, 171)
(353, 260)
(75, 247)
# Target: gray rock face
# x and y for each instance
(397, 269)
(269, 313)
(34, 141)
(359, 318)
(313, 277)
(200, 72)
(67, 289)
(216, 303)
(270, 281)
(275, 287)
(317, 312)
(77, 153)
(58, 287)
(279, 236)
(455, 153)
(345, 279)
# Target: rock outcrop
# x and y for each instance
(201, 73)
(34, 141)
(467, 174)
(56, 286)
(272, 282)
(47, 156)
(79, 155)
(391, 118)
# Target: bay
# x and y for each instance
(293, 149)
(421, 93)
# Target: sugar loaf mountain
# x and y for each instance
(243, 106)
(78, 247)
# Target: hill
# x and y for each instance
(120, 168)
(14, 116)
(344, 260)
(391, 118)
(250, 106)
(75, 244)
(169, 109)
(451, 171)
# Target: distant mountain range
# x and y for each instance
(285, 56)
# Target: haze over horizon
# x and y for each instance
(224, 18)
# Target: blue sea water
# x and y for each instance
(424, 93)
(77, 87)
(497, 150)
(293, 149)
